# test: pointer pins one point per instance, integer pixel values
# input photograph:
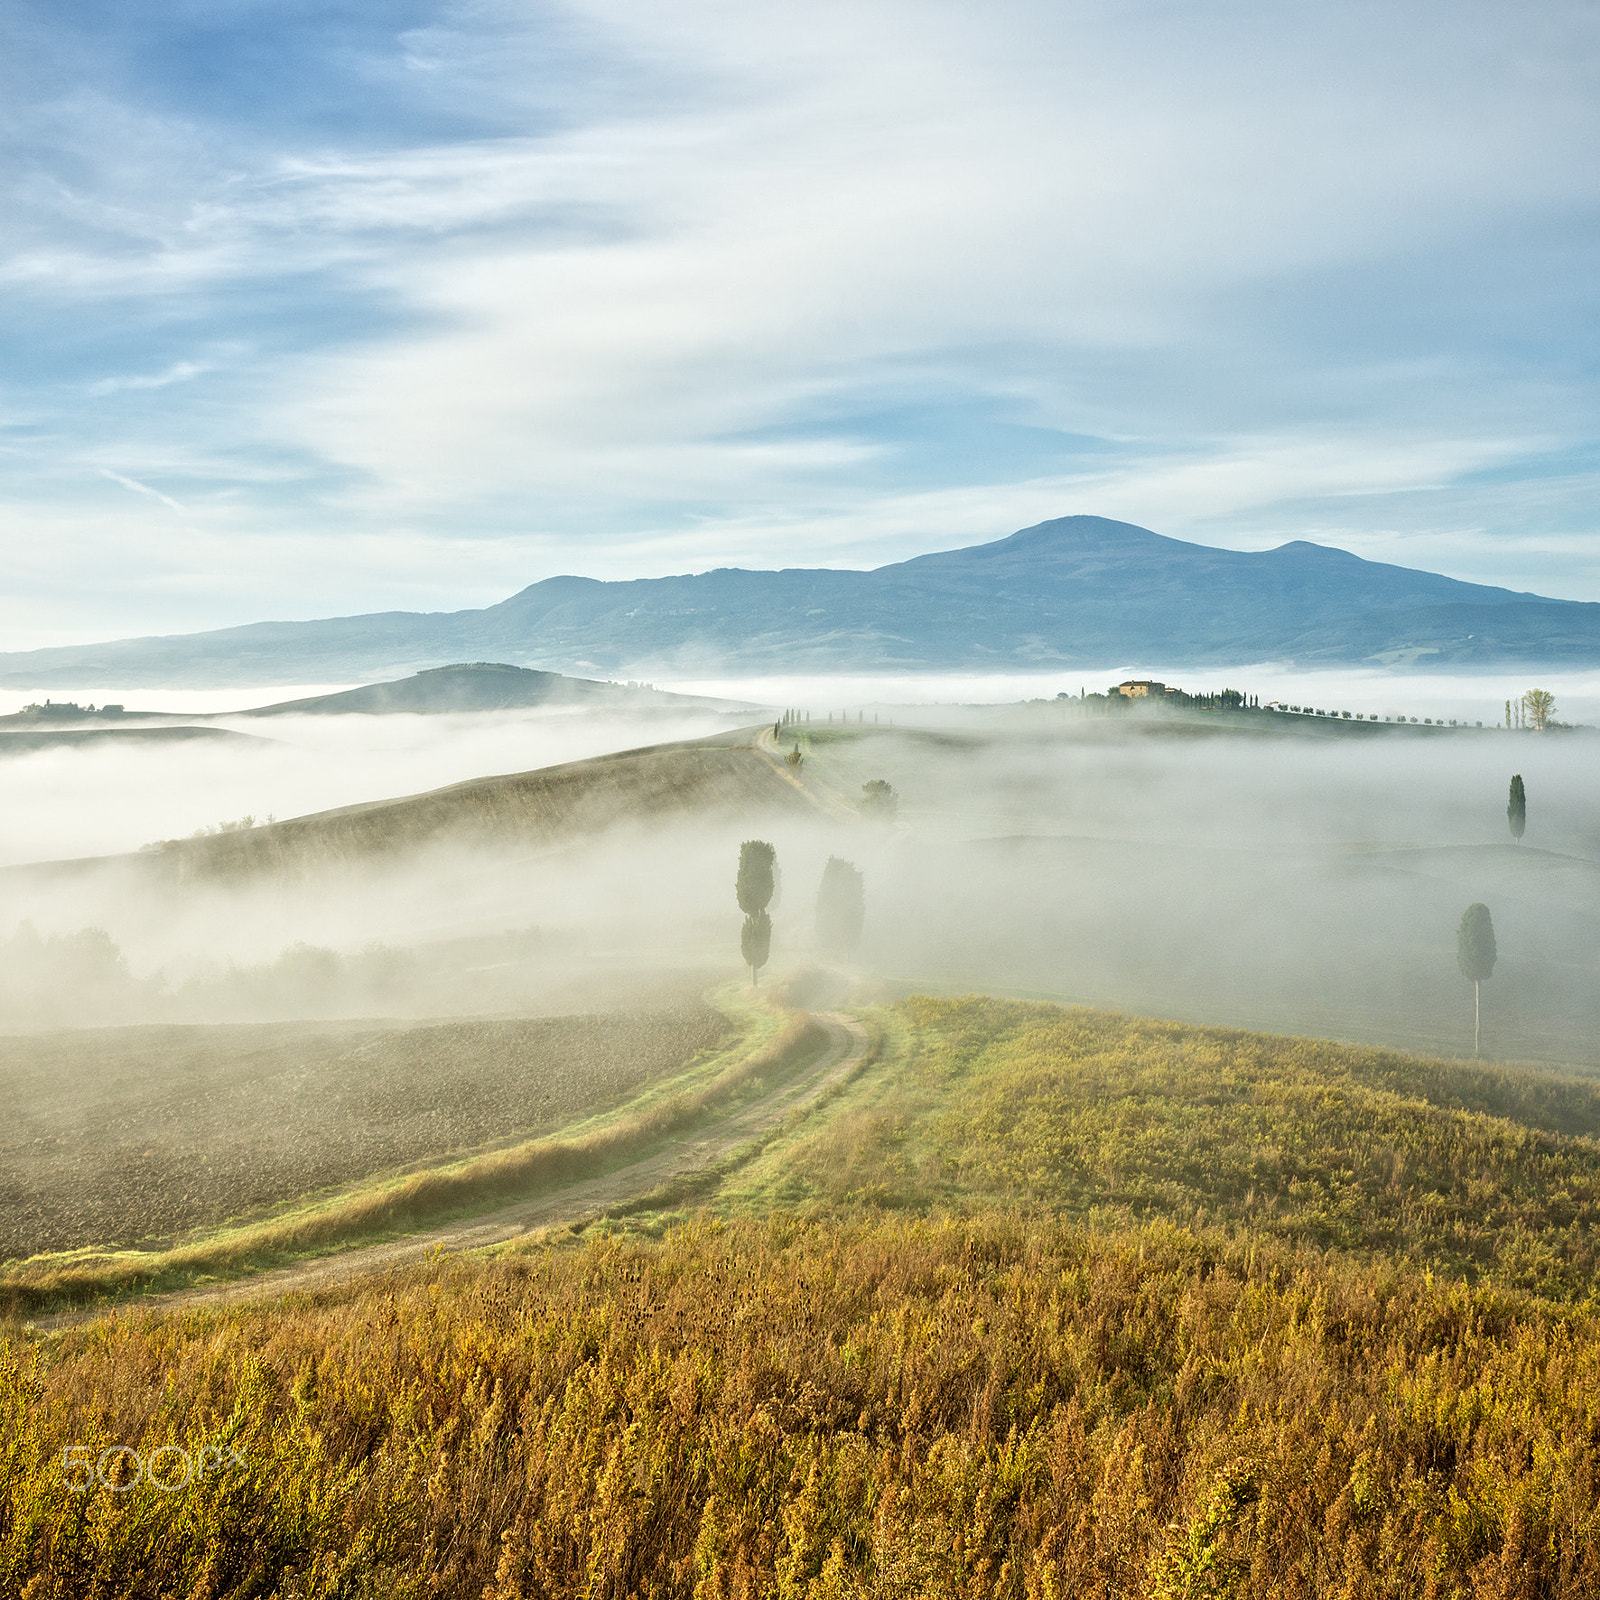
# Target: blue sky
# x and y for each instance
(319, 308)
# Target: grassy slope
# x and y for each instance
(899, 1408)
(945, 1341)
(708, 777)
(721, 776)
(1474, 1170)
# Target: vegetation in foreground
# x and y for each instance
(892, 1407)
(1470, 1169)
(1051, 1303)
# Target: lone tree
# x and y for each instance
(840, 909)
(755, 943)
(1475, 953)
(1517, 808)
(879, 801)
(1539, 704)
(758, 865)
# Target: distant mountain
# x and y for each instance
(1075, 591)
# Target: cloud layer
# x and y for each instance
(307, 314)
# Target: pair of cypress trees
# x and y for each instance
(840, 905)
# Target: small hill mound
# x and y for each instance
(481, 686)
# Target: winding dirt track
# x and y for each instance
(576, 1202)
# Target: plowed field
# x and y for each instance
(125, 1135)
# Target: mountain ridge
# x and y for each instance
(1071, 592)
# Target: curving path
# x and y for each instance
(693, 1152)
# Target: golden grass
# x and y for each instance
(838, 1401)
(1471, 1169)
(998, 1406)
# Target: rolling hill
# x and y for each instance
(722, 776)
(460, 687)
(486, 686)
(1074, 591)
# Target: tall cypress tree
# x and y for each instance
(1517, 808)
(840, 909)
(1475, 956)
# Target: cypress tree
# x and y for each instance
(755, 881)
(1517, 808)
(841, 908)
(758, 866)
(1475, 956)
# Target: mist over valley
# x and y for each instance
(799, 802)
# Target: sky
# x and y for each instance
(317, 308)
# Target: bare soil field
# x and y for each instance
(123, 1136)
(685, 1159)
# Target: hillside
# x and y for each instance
(1473, 1169)
(1046, 1302)
(710, 779)
(459, 687)
(1073, 591)
(485, 686)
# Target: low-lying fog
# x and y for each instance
(102, 799)
(1264, 878)
(1358, 690)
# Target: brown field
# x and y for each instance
(125, 1135)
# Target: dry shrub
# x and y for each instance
(921, 1407)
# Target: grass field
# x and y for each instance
(1044, 1302)
(891, 1407)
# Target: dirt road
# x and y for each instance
(695, 1151)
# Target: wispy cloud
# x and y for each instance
(143, 488)
(178, 372)
(604, 284)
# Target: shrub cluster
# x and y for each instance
(891, 1407)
